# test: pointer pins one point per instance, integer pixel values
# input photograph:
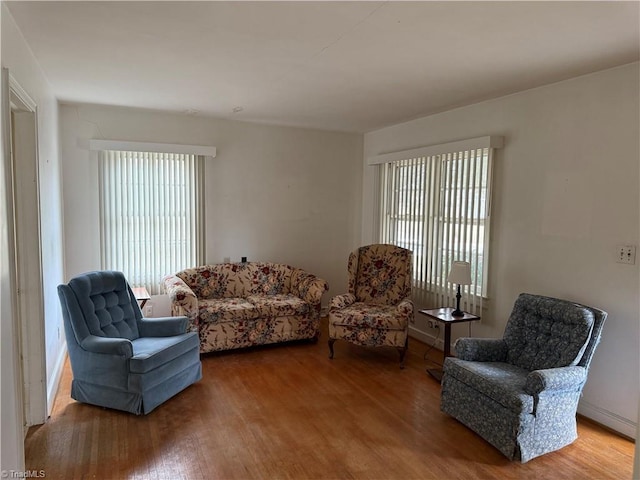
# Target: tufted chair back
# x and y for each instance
(380, 274)
(107, 304)
(544, 332)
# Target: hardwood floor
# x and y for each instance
(288, 411)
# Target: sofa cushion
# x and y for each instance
(224, 310)
(278, 305)
(152, 352)
(268, 279)
(226, 280)
(359, 314)
(502, 382)
(216, 281)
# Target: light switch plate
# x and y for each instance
(626, 254)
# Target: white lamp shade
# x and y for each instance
(460, 273)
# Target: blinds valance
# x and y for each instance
(439, 149)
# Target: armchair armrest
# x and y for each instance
(405, 307)
(481, 349)
(341, 301)
(162, 326)
(107, 345)
(308, 287)
(183, 300)
(557, 379)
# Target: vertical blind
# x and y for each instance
(151, 214)
(438, 206)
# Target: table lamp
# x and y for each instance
(461, 274)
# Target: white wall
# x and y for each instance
(279, 194)
(566, 193)
(17, 57)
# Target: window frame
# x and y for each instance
(424, 167)
(143, 271)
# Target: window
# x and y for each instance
(151, 214)
(436, 202)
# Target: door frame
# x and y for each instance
(29, 293)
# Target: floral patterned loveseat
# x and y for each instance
(237, 305)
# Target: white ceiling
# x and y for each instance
(352, 66)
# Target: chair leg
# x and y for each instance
(403, 351)
(331, 342)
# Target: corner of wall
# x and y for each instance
(54, 380)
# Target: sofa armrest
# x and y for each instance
(556, 379)
(481, 349)
(183, 301)
(341, 301)
(308, 287)
(405, 307)
(107, 345)
(162, 326)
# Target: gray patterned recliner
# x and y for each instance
(521, 392)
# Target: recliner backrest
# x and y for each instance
(107, 304)
(544, 332)
(382, 274)
(598, 323)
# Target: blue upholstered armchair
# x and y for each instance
(521, 392)
(119, 359)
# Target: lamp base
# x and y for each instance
(457, 312)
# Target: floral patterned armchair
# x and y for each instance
(521, 392)
(378, 308)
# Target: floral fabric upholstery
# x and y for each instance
(256, 331)
(370, 337)
(381, 317)
(378, 308)
(519, 393)
(236, 305)
(221, 310)
(183, 300)
(279, 305)
(381, 274)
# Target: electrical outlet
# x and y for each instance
(227, 260)
(148, 311)
(432, 324)
(626, 254)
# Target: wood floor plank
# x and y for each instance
(289, 412)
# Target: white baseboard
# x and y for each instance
(425, 337)
(609, 419)
(54, 382)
